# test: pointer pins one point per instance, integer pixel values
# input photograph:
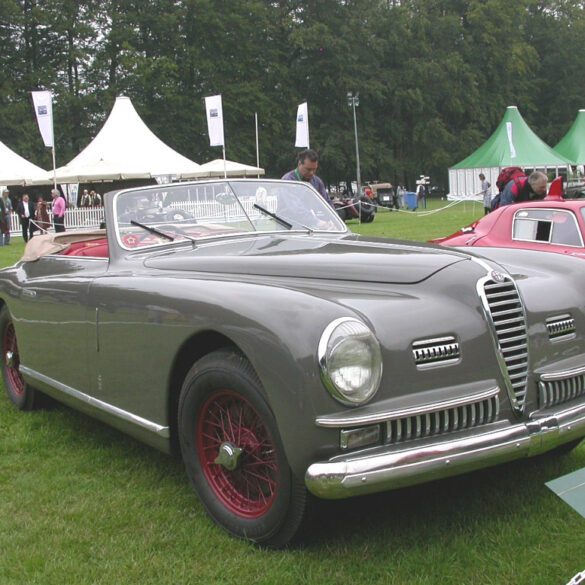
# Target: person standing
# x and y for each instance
(400, 195)
(96, 199)
(42, 215)
(8, 209)
(421, 195)
(85, 199)
(58, 211)
(25, 211)
(3, 221)
(485, 194)
(307, 165)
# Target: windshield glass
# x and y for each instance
(187, 211)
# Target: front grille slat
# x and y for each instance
(503, 303)
(443, 421)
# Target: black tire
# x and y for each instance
(342, 213)
(366, 210)
(20, 393)
(252, 492)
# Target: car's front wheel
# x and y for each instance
(20, 393)
(233, 453)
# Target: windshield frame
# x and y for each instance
(237, 193)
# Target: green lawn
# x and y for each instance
(83, 504)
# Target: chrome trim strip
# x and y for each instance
(554, 376)
(387, 468)
(99, 404)
(351, 420)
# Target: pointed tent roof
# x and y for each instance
(572, 145)
(513, 143)
(15, 170)
(215, 168)
(125, 148)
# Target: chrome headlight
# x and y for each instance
(350, 360)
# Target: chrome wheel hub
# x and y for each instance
(9, 359)
(228, 456)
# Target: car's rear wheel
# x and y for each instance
(20, 393)
(233, 453)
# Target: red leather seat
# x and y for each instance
(93, 248)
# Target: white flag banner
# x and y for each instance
(71, 191)
(510, 139)
(43, 102)
(214, 120)
(302, 138)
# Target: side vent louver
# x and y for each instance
(560, 327)
(434, 352)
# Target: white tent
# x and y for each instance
(125, 148)
(15, 170)
(216, 168)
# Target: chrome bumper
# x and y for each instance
(396, 466)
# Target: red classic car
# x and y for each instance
(551, 225)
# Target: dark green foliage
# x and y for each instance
(434, 76)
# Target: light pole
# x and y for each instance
(353, 101)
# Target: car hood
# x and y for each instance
(346, 259)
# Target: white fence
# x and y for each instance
(201, 209)
(80, 217)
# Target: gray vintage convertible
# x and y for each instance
(282, 355)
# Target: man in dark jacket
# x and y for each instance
(26, 212)
(524, 189)
(307, 165)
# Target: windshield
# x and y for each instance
(190, 211)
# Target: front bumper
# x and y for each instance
(392, 467)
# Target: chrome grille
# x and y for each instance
(440, 351)
(561, 326)
(509, 322)
(442, 421)
(556, 392)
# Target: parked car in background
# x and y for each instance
(550, 226)
(282, 355)
(385, 195)
(355, 208)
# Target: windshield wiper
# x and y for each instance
(152, 230)
(281, 221)
(166, 235)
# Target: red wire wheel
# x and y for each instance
(237, 454)
(11, 359)
(233, 452)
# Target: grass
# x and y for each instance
(81, 503)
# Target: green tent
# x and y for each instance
(513, 143)
(572, 145)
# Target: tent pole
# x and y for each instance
(257, 147)
(54, 169)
